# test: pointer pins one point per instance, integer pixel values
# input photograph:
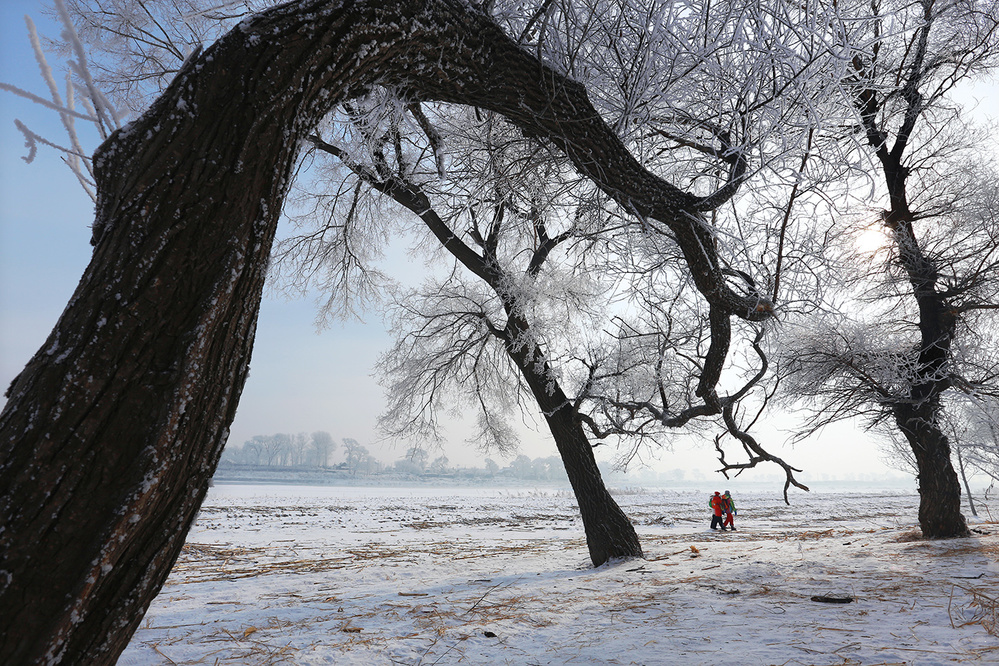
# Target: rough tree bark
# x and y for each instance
(918, 414)
(112, 431)
(609, 532)
(940, 514)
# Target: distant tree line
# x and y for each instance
(284, 450)
(348, 457)
(319, 450)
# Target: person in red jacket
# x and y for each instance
(716, 503)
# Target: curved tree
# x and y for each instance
(704, 105)
(112, 431)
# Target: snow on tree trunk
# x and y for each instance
(609, 532)
(918, 414)
(114, 428)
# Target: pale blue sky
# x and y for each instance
(300, 380)
(44, 215)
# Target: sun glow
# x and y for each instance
(872, 239)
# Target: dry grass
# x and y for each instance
(201, 563)
(983, 609)
(813, 536)
(909, 536)
(437, 618)
(965, 547)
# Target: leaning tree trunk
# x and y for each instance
(609, 532)
(114, 428)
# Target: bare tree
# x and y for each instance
(939, 276)
(452, 325)
(251, 453)
(697, 242)
(711, 81)
(968, 418)
(747, 90)
(112, 431)
(500, 209)
(323, 446)
(418, 456)
(147, 362)
(356, 456)
(277, 449)
(711, 135)
(974, 431)
(456, 333)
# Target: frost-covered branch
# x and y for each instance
(755, 452)
(100, 113)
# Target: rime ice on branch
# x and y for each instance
(108, 446)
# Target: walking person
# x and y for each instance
(728, 506)
(716, 503)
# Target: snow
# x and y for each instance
(359, 576)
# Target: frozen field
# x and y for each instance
(368, 576)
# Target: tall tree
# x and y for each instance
(693, 89)
(918, 74)
(323, 445)
(504, 223)
(733, 100)
(112, 431)
(445, 336)
(940, 274)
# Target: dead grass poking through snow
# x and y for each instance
(424, 596)
(909, 536)
(983, 609)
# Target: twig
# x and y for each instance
(479, 600)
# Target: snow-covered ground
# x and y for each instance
(367, 576)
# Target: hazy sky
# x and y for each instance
(300, 380)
